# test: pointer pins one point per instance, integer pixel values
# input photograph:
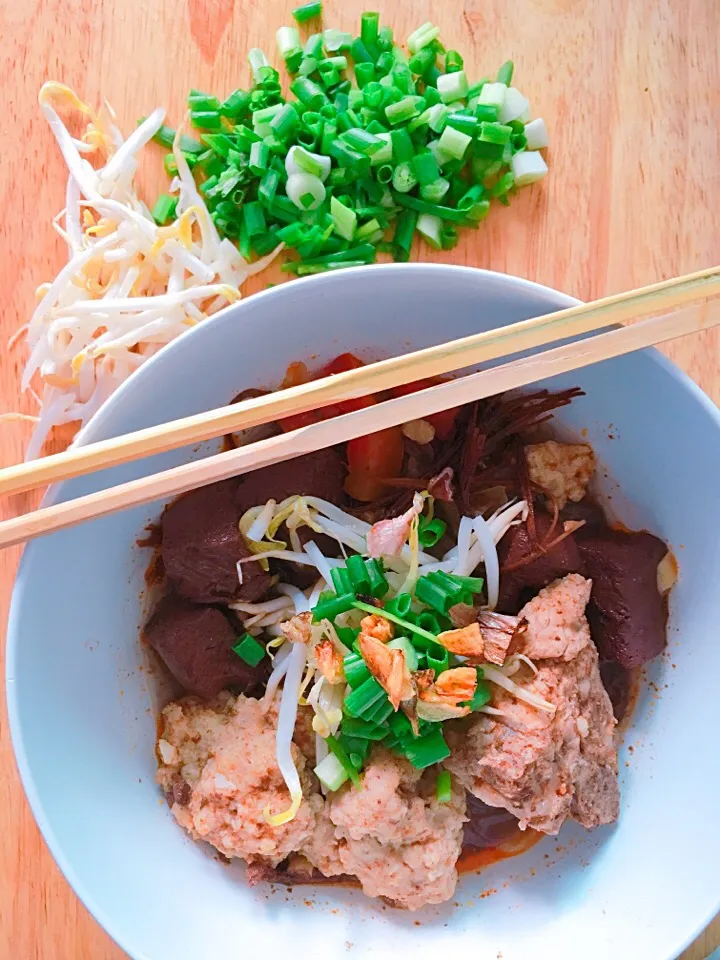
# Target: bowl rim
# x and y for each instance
(95, 425)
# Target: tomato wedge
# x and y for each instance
(341, 364)
(370, 460)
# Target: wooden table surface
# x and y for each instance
(629, 90)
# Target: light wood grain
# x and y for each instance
(629, 92)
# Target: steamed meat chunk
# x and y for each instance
(543, 766)
(195, 642)
(224, 752)
(201, 545)
(395, 837)
(556, 624)
(562, 470)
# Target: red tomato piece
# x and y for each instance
(298, 420)
(341, 364)
(363, 487)
(377, 454)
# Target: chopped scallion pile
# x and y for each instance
(369, 149)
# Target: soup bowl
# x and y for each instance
(83, 703)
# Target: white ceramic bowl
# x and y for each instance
(81, 706)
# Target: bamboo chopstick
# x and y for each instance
(389, 413)
(376, 377)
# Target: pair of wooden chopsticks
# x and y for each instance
(663, 298)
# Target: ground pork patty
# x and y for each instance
(225, 752)
(393, 834)
(545, 767)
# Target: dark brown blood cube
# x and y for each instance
(195, 642)
(318, 474)
(201, 545)
(626, 611)
(530, 577)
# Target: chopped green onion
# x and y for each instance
(443, 787)
(361, 701)
(411, 656)
(454, 142)
(403, 110)
(330, 608)
(307, 11)
(359, 576)
(453, 61)
(309, 93)
(527, 167)
(288, 42)
(425, 167)
(236, 105)
(249, 650)
(430, 532)
(378, 582)
(380, 712)
(402, 146)
(344, 223)
(164, 208)
(404, 231)
(362, 141)
(259, 158)
(493, 95)
(331, 773)
(430, 228)
(422, 37)
(473, 584)
(268, 186)
(356, 670)
(428, 749)
(254, 218)
(505, 73)
(336, 40)
(434, 192)
(360, 53)
(341, 577)
(337, 750)
(206, 119)
(399, 606)
(305, 191)
(364, 73)
(363, 729)
(422, 60)
(404, 178)
(452, 86)
(438, 658)
(482, 695)
(420, 206)
(436, 594)
(536, 134)
(258, 61)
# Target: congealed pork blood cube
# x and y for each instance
(626, 611)
(201, 545)
(195, 642)
(318, 474)
(515, 584)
